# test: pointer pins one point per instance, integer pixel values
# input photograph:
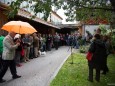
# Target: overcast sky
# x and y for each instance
(61, 14)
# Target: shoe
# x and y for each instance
(18, 65)
(2, 80)
(35, 57)
(104, 73)
(16, 76)
(31, 58)
(27, 60)
(97, 80)
(90, 80)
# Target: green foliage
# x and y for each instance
(76, 74)
(80, 42)
(43, 7)
(39, 6)
(103, 29)
(113, 21)
(75, 9)
(85, 9)
(14, 7)
(83, 49)
(113, 39)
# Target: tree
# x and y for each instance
(79, 10)
(85, 9)
(37, 6)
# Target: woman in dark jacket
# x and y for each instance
(18, 51)
(107, 44)
(98, 49)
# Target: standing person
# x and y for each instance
(66, 39)
(98, 31)
(56, 41)
(40, 42)
(17, 38)
(88, 37)
(8, 56)
(31, 47)
(98, 49)
(1, 49)
(44, 42)
(26, 41)
(48, 41)
(35, 45)
(107, 44)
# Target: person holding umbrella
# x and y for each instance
(9, 46)
(8, 55)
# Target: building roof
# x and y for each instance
(57, 15)
(26, 14)
(98, 21)
(72, 26)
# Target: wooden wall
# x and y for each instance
(80, 30)
(3, 20)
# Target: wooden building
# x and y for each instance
(40, 25)
(3, 17)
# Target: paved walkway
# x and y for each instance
(39, 71)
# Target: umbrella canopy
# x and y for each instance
(19, 27)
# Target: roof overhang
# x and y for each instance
(57, 15)
(72, 26)
(26, 14)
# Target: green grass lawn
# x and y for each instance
(76, 74)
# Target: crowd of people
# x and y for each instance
(16, 48)
(99, 48)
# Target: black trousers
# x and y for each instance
(8, 63)
(97, 77)
(105, 67)
(0, 60)
(56, 45)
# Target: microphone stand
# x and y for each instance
(71, 54)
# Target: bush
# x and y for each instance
(83, 49)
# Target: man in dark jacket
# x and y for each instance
(56, 41)
(99, 53)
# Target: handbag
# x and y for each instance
(22, 52)
(89, 56)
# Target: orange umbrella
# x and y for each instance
(19, 27)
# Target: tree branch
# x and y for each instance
(107, 9)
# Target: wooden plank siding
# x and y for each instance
(3, 20)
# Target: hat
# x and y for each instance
(17, 36)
